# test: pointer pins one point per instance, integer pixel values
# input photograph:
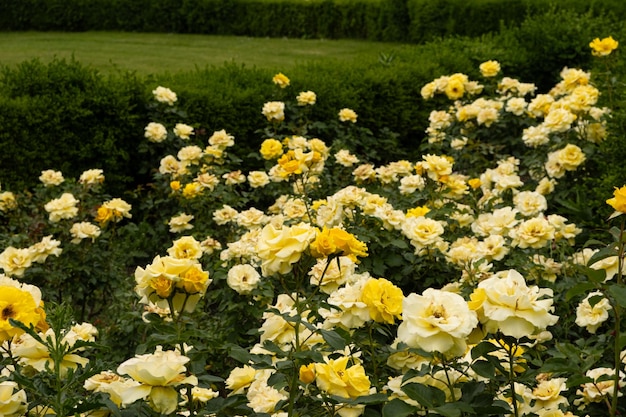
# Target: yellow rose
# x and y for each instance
(19, 305)
(164, 95)
(195, 280)
(271, 149)
(240, 378)
(618, 202)
(306, 98)
(383, 299)
(279, 249)
(603, 47)
(281, 80)
(323, 245)
(12, 402)
(307, 373)
(335, 378)
(489, 68)
(347, 115)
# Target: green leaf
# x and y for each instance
(425, 395)
(580, 288)
(454, 409)
(333, 339)
(239, 354)
(618, 292)
(482, 349)
(398, 408)
(484, 369)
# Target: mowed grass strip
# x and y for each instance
(151, 53)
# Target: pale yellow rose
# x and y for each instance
(64, 207)
(274, 111)
(345, 158)
(437, 321)
(258, 179)
(13, 402)
(535, 233)
(221, 139)
(423, 232)
(279, 249)
(599, 391)
(505, 303)
(190, 155)
(91, 177)
(306, 98)
(122, 391)
(592, 317)
(158, 373)
(164, 95)
(186, 247)
(15, 261)
(240, 378)
(347, 115)
(243, 278)
(155, 132)
(180, 223)
(84, 230)
(51, 177)
(183, 131)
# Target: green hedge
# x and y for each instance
(68, 117)
(414, 21)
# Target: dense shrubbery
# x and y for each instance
(383, 20)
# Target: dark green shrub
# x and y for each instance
(68, 117)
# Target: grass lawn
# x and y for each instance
(151, 53)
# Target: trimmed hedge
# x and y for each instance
(414, 21)
(68, 117)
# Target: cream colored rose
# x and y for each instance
(592, 317)
(329, 275)
(164, 95)
(190, 155)
(91, 177)
(122, 391)
(225, 215)
(534, 136)
(279, 249)
(258, 179)
(533, 233)
(505, 303)
(183, 131)
(51, 177)
(64, 207)
(180, 223)
(221, 139)
(348, 309)
(274, 111)
(263, 398)
(530, 203)
(243, 278)
(7, 201)
(347, 115)
(84, 230)
(547, 395)
(240, 378)
(345, 158)
(12, 401)
(158, 373)
(598, 391)
(306, 98)
(251, 219)
(186, 247)
(364, 172)
(423, 232)
(155, 132)
(436, 321)
(15, 261)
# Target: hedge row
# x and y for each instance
(412, 21)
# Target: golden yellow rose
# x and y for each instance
(383, 299)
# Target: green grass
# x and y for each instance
(149, 53)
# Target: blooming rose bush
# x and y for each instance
(325, 283)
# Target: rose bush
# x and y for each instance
(322, 284)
